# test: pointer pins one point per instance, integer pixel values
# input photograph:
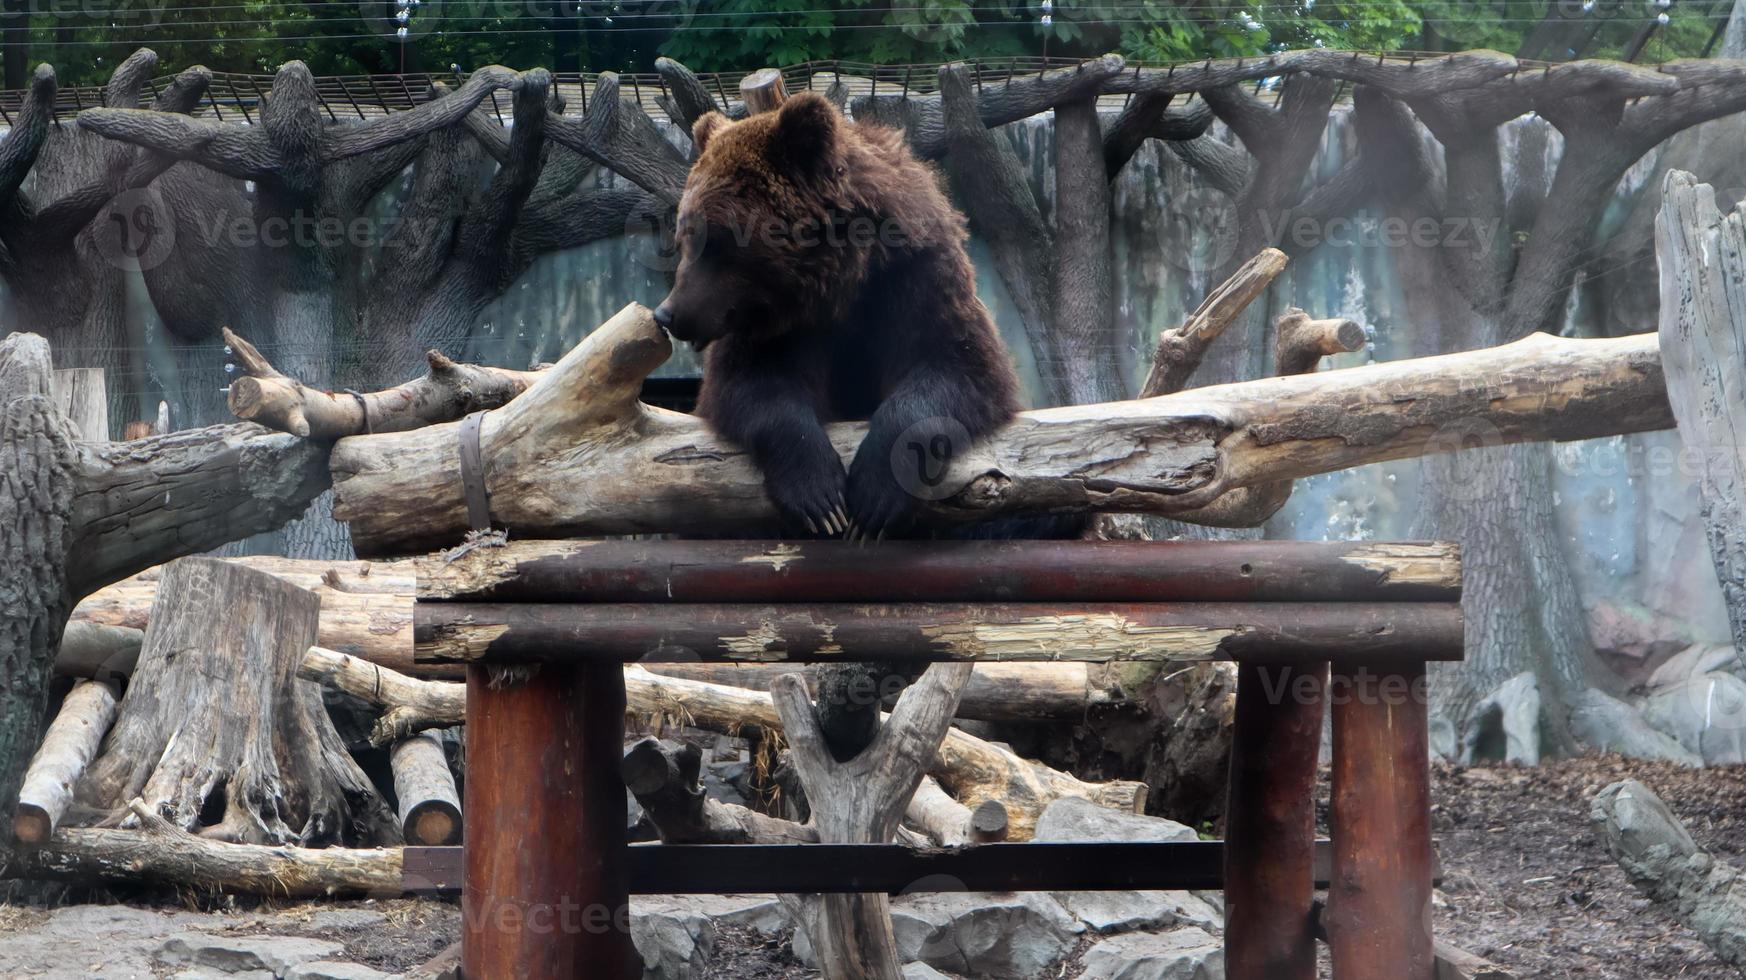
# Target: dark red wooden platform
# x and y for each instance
(1340, 626)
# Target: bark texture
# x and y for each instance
(1703, 339)
(216, 732)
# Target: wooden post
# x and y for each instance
(83, 397)
(547, 894)
(1271, 822)
(762, 90)
(1379, 899)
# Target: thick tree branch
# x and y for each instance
(1180, 349)
(650, 470)
(448, 391)
(688, 98)
(664, 779)
(1150, 116)
(923, 117)
(621, 137)
(29, 129)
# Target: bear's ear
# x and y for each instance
(805, 140)
(706, 126)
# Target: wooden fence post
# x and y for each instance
(1379, 899)
(1270, 823)
(547, 894)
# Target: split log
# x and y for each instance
(67, 748)
(1662, 860)
(862, 801)
(429, 805)
(218, 734)
(448, 391)
(410, 705)
(161, 853)
(650, 470)
(1703, 340)
(971, 769)
(664, 779)
(366, 607)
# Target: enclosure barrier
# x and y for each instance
(545, 798)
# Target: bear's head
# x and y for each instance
(763, 222)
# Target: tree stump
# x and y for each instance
(216, 732)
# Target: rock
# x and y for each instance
(1606, 724)
(1694, 661)
(983, 935)
(1705, 713)
(1071, 818)
(105, 922)
(1506, 724)
(1181, 954)
(1632, 638)
(1444, 744)
(674, 938)
(207, 973)
(345, 920)
(335, 970)
(922, 971)
(236, 954)
(1108, 912)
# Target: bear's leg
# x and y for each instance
(770, 407)
(930, 418)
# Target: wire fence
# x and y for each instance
(237, 97)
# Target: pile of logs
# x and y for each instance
(222, 740)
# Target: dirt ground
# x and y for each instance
(1525, 883)
(1528, 885)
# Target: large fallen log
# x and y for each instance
(1659, 856)
(409, 705)
(366, 607)
(577, 454)
(429, 808)
(664, 779)
(159, 852)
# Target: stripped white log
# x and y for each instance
(69, 746)
(429, 805)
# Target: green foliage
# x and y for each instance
(85, 39)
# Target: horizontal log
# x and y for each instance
(1029, 692)
(366, 607)
(160, 853)
(946, 571)
(646, 470)
(737, 869)
(456, 632)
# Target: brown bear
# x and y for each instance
(824, 270)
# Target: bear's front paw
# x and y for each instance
(810, 497)
(878, 502)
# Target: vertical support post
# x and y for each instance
(1379, 901)
(547, 893)
(1270, 822)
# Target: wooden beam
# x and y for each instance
(726, 869)
(945, 571)
(455, 632)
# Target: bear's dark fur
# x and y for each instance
(824, 270)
